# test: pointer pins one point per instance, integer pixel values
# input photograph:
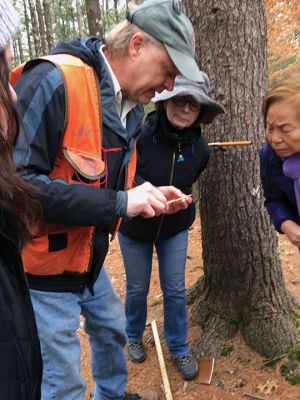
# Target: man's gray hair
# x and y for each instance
(118, 39)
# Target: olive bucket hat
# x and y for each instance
(199, 91)
(165, 21)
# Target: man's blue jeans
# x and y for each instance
(58, 318)
(137, 256)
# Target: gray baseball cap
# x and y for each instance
(166, 22)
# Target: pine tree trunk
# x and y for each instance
(35, 29)
(41, 26)
(242, 288)
(94, 18)
(48, 23)
(79, 18)
(20, 48)
(26, 20)
(116, 10)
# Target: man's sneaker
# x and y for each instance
(136, 351)
(187, 365)
(145, 395)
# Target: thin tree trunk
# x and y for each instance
(103, 17)
(41, 26)
(94, 17)
(35, 30)
(243, 287)
(26, 20)
(16, 53)
(116, 10)
(79, 18)
(48, 23)
(20, 48)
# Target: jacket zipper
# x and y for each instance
(170, 183)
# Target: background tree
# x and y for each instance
(116, 10)
(35, 28)
(48, 23)
(27, 23)
(242, 287)
(42, 31)
(94, 17)
(79, 18)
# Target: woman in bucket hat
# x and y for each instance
(171, 151)
(21, 364)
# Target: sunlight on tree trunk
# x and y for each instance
(242, 288)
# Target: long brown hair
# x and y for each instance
(19, 207)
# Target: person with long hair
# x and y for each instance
(21, 364)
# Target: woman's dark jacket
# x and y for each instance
(21, 364)
(280, 199)
(167, 156)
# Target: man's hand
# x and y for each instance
(150, 201)
(292, 231)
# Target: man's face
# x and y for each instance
(152, 71)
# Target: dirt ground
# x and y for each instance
(241, 375)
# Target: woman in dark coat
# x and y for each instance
(280, 156)
(171, 151)
(21, 365)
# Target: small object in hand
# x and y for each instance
(178, 199)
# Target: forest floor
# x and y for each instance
(240, 375)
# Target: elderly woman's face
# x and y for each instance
(283, 127)
(182, 111)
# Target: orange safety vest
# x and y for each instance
(80, 153)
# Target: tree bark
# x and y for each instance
(26, 20)
(116, 10)
(79, 18)
(243, 287)
(35, 29)
(20, 48)
(41, 26)
(48, 23)
(94, 18)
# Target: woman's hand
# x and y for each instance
(181, 202)
(292, 231)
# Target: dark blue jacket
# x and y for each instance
(159, 163)
(21, 362)
(280, 199)
(41, 103)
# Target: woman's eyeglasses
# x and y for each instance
(181, 101)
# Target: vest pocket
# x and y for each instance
(57, 241)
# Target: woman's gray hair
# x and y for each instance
(118, 39)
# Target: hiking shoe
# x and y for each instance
(131, 396)
(187, 365)
(136, 351)
(144, 395)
